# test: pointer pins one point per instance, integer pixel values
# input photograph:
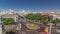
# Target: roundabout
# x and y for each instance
(32, 26)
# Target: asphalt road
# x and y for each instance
(53, 31)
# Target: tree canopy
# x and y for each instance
(46, 21)
(10, 32)
(56, 21)
(8, 21)
(37, 17)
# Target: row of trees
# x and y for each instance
(39, 17)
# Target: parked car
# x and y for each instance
(58, 30)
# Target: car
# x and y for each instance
(58, 30)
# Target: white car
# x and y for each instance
(58, 30)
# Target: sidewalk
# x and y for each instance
(1, 29)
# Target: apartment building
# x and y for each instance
(7, 12)
(14, 16)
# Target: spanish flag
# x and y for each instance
(46, 30)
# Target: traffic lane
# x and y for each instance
(55, 31)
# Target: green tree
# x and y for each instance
(46, 21)
(36, 17)
(8, 21)
(10, 32)
(56, 21)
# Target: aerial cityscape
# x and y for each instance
(29, 16)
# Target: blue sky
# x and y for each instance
(30, 4)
